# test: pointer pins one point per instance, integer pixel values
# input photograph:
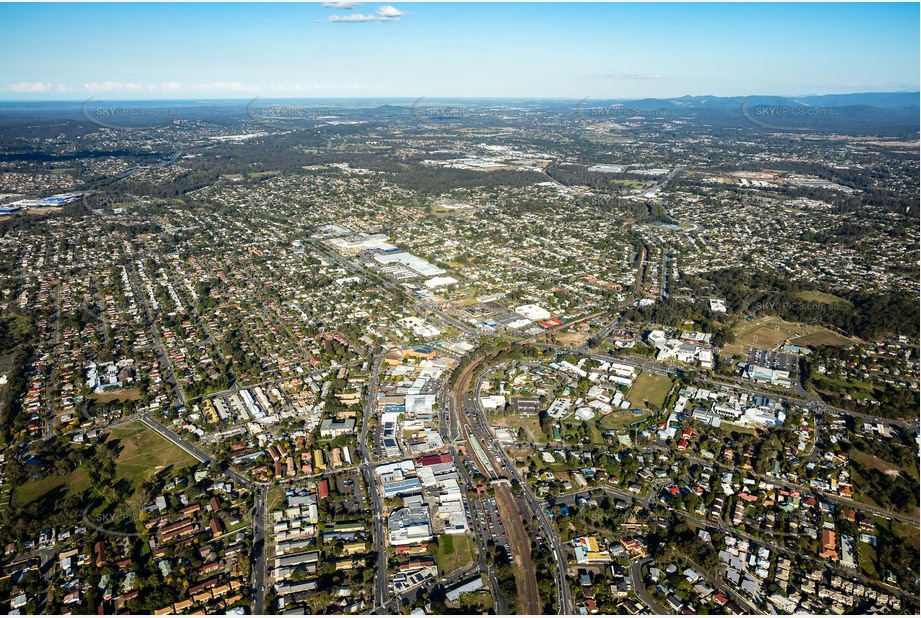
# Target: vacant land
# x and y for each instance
(871, 461)
(866, 559)
(476, 602)
(126, 394)
(571, 426)
(829, 385)
(454, 553)
(649, 390)
(515, 422)
(814, 296)
(143, 453)
(908, 533)
(572, 339)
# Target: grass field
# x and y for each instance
(649, 390)
(144, 453)
(454, 553)
(859, 481)
(632, 185)
(727, 427)
(465, 302)
(866, 559)
(480, 600)
(769, 332)
(813, 296)
(828, 385)
(75, 482)
(822, 338)
(442, 211)
(618, 420)
(908, 533)
(569, 426)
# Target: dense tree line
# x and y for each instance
(867, 315)
(671, 312)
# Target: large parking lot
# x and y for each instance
(773, 360)
(491, 523)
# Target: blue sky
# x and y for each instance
(182, 51)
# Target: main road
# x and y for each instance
(381, 590)
(499, 465)
(258, 561)
(533, 505)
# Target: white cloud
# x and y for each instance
(117, 87)
(225, 87)
(384, 13)
(31, 87)
(341, 5)
(345, 19)
(171, 87)
(389, 13)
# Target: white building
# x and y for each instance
(409, 525)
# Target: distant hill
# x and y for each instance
(882, 100)
(865, 112)
(880, 113)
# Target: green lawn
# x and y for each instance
(814, 296)
(454, 553)
(865, 559)
(620, 419)
(144, 452)
(28, 492)
(649, 390)
(478, 601)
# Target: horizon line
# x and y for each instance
(467, 98)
